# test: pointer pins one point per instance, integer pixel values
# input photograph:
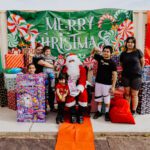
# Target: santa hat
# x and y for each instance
(74, 57)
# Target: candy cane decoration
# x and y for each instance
(16, 24)
(106, 16)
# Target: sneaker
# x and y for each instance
(53, 110)
(97, 115)
(61, 119)
(57, 120)
(73, 119)
(107, 116)
(80, 119)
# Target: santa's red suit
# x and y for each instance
(77, 93)
(81, 82)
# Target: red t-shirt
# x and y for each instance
(62, 89)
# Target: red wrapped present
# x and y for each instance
(3, 97)
(12, 100)
(14, 61)
(28, 55)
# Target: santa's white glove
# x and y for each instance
(75, 93)
(80, 87)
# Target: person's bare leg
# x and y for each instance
(134, 98)
(127, 93)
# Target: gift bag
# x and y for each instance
(30, 98)
(3, 97)
(14, 61)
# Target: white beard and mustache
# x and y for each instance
(73, 71)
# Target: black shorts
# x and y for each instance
(134, 82)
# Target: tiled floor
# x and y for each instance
(8, 124)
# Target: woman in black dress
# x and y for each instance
(132, 62)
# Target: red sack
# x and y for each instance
(120, 111)
(119, 93)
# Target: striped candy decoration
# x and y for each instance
(125, 29)
(17, 24)
(14, 61)
(104, 17)
(89, 62)
(31, 33)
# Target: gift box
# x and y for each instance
(28, 55)
(3, 97)
(14, 61)
(144, 98)
(30, 98)
(11, 96)
(93, 103)
(10, 81)
(1, 81)
(146, 73)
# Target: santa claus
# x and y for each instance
(77, 92)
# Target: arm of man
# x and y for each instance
(45, 64)
(114, 80)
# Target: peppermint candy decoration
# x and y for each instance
(116, 16)
(16, 24)
(89, 63)
(110, 36)
(31, 33)
(12, 40)
(125, 29)
(104, 17)
(117, 44)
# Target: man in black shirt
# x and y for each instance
(105, 80)
(38, 60)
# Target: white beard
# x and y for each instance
(73, 71)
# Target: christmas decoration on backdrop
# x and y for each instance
(107, 27)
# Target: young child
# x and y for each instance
(49, 71)
(62, 90)
(31, 68)
(105, 80)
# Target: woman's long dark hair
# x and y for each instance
(127, 40)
